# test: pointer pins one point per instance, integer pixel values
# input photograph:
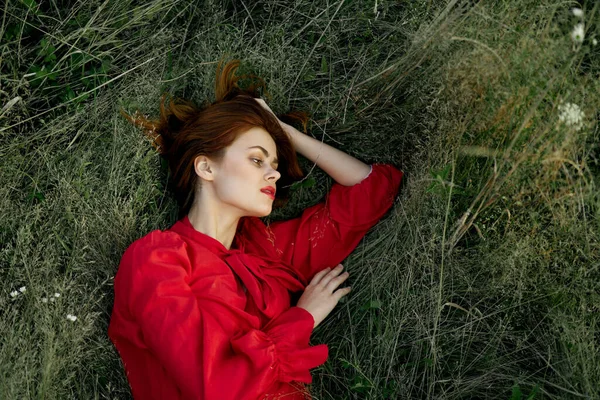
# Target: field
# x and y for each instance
(482, 282)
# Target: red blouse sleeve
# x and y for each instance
(326, 233)
(186, 334)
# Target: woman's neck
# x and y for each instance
(218, 224)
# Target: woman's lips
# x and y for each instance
(268, 193)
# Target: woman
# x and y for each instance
(203, 309)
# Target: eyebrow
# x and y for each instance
(275, 160)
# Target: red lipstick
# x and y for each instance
(269, 191)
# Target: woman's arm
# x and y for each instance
(343, 168)
(326, 233)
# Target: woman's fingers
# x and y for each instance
(324, 276)
(264, 105)
(331, 275)
(338, 294)
(337, 281)
(319, 275)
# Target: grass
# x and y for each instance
(482, 282)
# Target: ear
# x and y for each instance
(202, 167)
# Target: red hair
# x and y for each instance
(184, 132)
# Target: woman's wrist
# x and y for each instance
(291, 131)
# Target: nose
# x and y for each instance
(273, 175)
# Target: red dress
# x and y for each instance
(193, 320)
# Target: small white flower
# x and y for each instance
(571, 115)
(578, 12)
(56, 294)
(22, 289)
(594, 41)
(14, 293)
(52, 299)
(44, 299)
(71, 317)
(578, 34)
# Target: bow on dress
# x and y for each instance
(254, 261)
(266, 280)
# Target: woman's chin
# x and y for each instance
(261, 213)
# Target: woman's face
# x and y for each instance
(248, 168)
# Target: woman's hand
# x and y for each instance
(290, 130)
(265, 106)
(319, 297)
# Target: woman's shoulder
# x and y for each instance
(156, 247)
(156, 239)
